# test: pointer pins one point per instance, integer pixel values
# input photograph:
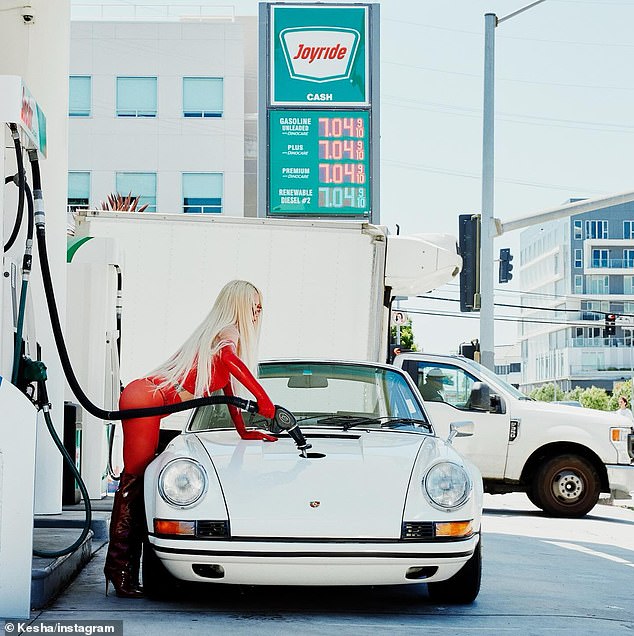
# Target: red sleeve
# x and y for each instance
(240, 372)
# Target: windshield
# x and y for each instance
(496, 379)
(331, 394)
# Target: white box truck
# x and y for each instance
(561, 456)
(327, 285)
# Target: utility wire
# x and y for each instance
(556, 309)
(515, 319)
(563, 297)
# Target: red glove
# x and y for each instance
(240, 372)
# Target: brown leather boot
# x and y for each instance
(126, 538)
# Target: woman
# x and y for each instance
(624, 410)
(221, 350)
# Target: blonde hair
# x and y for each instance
(234, 309)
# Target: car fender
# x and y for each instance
(212, 504)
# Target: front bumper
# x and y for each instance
(621, 480)
(314, 563)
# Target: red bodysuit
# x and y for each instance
(141, 435)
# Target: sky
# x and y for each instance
(564, 125)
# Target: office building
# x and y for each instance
(573, 273)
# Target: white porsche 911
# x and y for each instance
(359, 492)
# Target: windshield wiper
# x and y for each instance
(348, 421)
(391, 421)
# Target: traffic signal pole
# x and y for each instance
(488, 221)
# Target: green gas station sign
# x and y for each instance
(319, 55)
(319, 163)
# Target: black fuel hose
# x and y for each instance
(43, 402)
(241, 403)
(21, 183)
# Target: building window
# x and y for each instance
(202, 192)
(138, 184)
(600, 258)
(597, 284)
(578, 232)
(628, 258)
(628, 285)
(78, 190)
(136, 97)
(79, 95)
(628, 229)
(596, 229)
(578, 258)
(202, 97)
(578, 284)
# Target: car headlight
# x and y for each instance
(447, 485)
(182, 482)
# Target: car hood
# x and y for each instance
(580, 416)
(357, 489)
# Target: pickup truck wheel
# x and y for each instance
(464, 586)
(567, 486)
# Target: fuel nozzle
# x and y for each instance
(284, 420)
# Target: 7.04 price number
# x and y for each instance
(341, 173)
(342, 197)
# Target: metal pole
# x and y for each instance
(630, 329)
(487, 221)
(488, 225)
(526, 8)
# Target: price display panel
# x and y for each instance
(319, 163)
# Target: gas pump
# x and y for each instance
(18, 415)
(93, 297)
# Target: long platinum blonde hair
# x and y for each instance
(235, 308)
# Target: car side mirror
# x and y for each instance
(480, 398)
(460, 429)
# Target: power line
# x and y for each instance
(555, 309)
(515, 319)
(564, 297)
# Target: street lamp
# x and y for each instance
(487, 330)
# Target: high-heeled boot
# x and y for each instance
(126, 538)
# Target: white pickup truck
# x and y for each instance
(561, 456)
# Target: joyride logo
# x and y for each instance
(319, 54)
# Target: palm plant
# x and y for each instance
(120, 203)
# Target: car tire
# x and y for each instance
(464, 586)
(158, 583)
(567, 486)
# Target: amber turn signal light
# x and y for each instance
(454, 528)
(168, 526)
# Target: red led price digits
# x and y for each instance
(341, 127)
(337, 149)
(341, 173)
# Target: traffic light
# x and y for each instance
(469, 248)
(610, 325)
(505, 265)
(470, 350)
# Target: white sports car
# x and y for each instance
(370, 496)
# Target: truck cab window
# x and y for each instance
(444, 383)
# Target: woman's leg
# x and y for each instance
(140, 435)
(127, 523)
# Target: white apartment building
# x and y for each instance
(164, 109)
(577, 271)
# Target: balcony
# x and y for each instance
(603, 343)
(612, 263)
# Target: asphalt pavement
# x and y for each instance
(541, 576)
